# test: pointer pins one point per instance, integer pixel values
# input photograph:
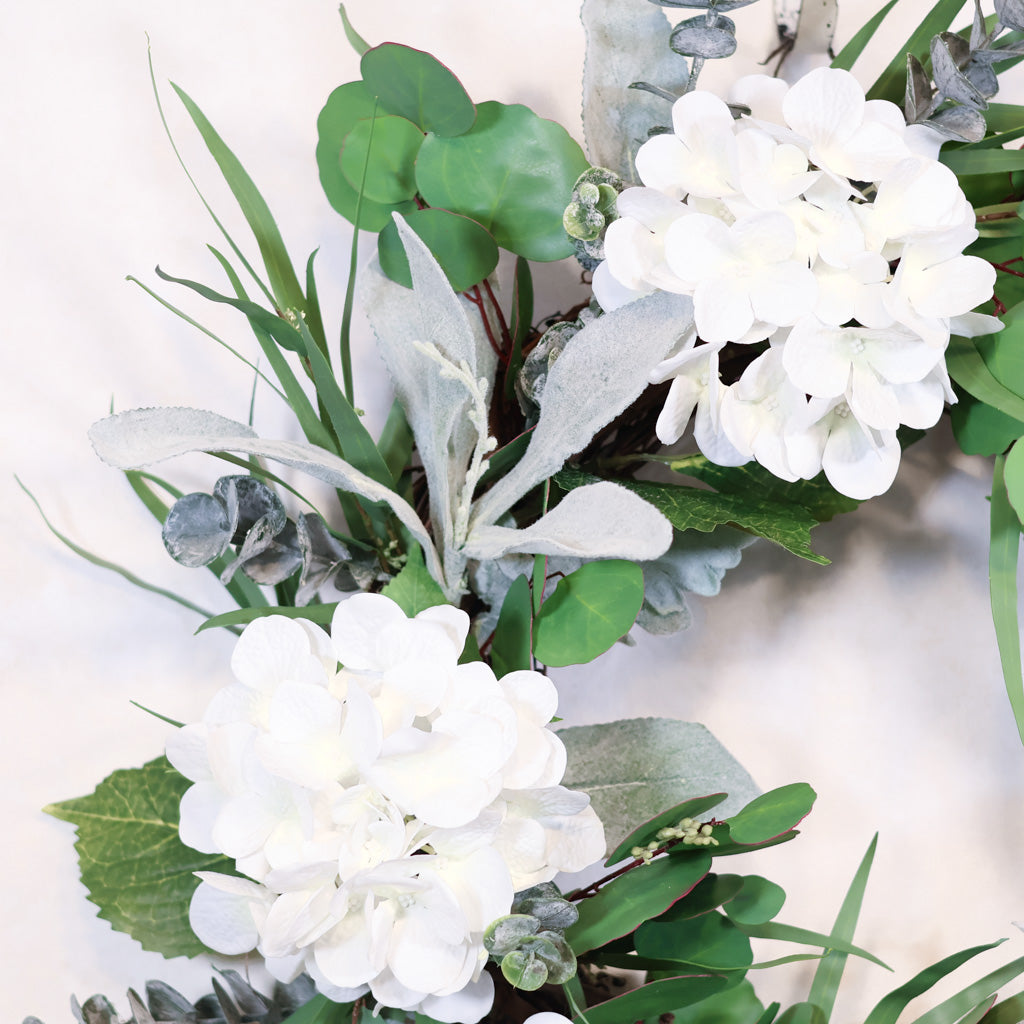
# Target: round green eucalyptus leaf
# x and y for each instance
(758, 901)
(696, 38)
(711, 940)
(514, 172)
(523, 970)
(772, 813)
(385, 149)
(466, 252)
(589, 610)
(417, 86)
(345, 107)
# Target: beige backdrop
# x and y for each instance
(874, 679)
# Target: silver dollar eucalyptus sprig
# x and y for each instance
(963, 79)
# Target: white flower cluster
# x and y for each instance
(825, 225)
(383, 812)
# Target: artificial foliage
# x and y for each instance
(797, 279)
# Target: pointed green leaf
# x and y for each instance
(981, 429)
(772, 814)
(355, 40)
(887, 1011)
(788, 933)
(513, 173)
(347, 105)
(967, 367)
(319, 613)
(829, 973)
(588, 611)
(953, 1009)
(521, 321)
(1007, 1011)
(283, 282)
(803, 1013)
(137, 870)
(417, 86)
(466, 252)
(510, 648)
(637, 896)
(414, 589)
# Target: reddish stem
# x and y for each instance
(474, 296)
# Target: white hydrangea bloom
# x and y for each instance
(384, 803)
(820, 224)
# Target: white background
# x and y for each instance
(874, 679)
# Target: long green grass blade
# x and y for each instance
(891, 1006)
(283, 282)
(983, 161)
(848, 55)
(964, 1002)
(192, 181)
(789, 933)
(270, 331)
(979, 1012)
(396, 441)
(1004, 552)
(1008, 1011)
(245, 593)
(102, 563)
(320, 613)
(891, 83)
(355, 40)
(829, 974)
(770, 1012)
(314, 319)
(195, 323)
(357, 446)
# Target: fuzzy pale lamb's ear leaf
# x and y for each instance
(625, 42)
(600, 372)
(435, 406)
(600, 520)
(139, 437)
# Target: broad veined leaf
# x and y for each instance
(635, 768)
(637, 896)
(772, 813)
(384, 149)
(465, 251)
(710, 940)
(347, 105)
(417, 86)
(513, 172)
(137, 870)
(650, 1000)
(589, 610)
(513, 636)
(414, 589)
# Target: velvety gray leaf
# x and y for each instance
(197, 529)
(978, 31)
(998, 53)
(594, 379)
(131, 440)
(961, 123)
(165, 1003)
(140, 1012)
(626, 42)
(95, 1010)
(435, 406)
(696, 38)
(695, 563)
(949, 79)
(637, 768)
(919, 91)
(958, 47)
(596, 521)
(1011, 14)
(247, 501)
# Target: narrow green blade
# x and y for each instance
(1004, 552)
(964, 1002)
(848, 55)
(829, 974)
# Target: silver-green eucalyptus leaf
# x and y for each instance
(197, 530)
(917, 103)
(627, 41)
(960, 123)
(131, 440)
(596, 521)
(949, 79)
(636, 768)
(598, 374)
(696, 38)
(1011, 14)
